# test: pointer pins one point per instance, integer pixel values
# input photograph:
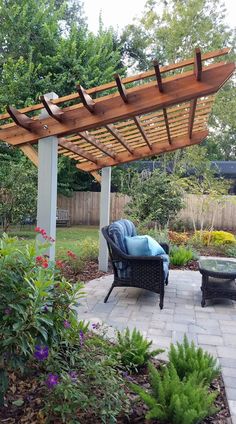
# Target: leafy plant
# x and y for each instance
(174, 400)
(37, 305)
(133, 350)
(178, 238)
(181, 255)
(215, 238)
(189, 360)
(89, 249)
(231, 251)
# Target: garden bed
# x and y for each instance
(30, 392)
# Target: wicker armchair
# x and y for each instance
(146, 272)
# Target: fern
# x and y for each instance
(133, 350)
(174, 400)
(189, 360)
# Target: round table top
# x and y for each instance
(217, 266)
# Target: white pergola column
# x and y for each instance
(47, 184)
(104, 217)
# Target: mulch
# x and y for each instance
(30, 391)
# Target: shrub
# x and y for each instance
(87, 381)
(160, 235)
(178, 238)
(89, 249)
(215, 238)
(174, 400)
(37, 305)
(189, 360)
(181, 256)
(231, 251)
(133, 350)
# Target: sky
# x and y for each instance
(121, 12)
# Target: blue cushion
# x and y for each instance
(118, 230)
(143, 246)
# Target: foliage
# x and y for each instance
(156, 198)
(37, 305)
(231, 251)
(191, 361)
(133, 350)
(181, 255)
(215, 238)
(18, 192)
(89, 249)
(88, 383)
(169, 31)
(178, 238)
(174, 400)
(161, 235)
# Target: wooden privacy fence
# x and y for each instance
(84, 208)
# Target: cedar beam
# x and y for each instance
(158, 76)
(96, 143)
(121, 88)
(31, 153)
(167, 125)
(158, 147)
(75, 149)
(86, 99)
(53, 110)
(198, 64)
(119, 137)
(20, 119)
(142, 100)
(142, 131)
(97, 176)
(191, 117)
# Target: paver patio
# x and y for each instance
(212, 327)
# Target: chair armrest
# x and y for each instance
(166, 247)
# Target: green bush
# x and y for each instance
(89, 249)
(231, 251)
(214, 238)
(181, 255)
(189, 360)
(174, 400)
(37, 305)
(133, 350)
(86, 381)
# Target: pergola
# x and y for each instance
(164, 109)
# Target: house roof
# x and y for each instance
(161, 110)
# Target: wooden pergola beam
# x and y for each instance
(167, 125)
(53, 110)
(112, 84)
(31, 153)
(97, 176)
(121, 88)
(20, 119)
(96, 143)
(198, 64)
(119, 137)
(158, 75)
(157, 148)
(86, 98)
(63, 142)
(142, 100)
(192, 111)
(142, 131)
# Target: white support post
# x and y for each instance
(47, 184)
(104, 217)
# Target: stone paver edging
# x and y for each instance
(212, 327)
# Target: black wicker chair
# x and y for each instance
(146, 272)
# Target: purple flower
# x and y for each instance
(52, 380)
(41, 352)
(7, 311)
(45, 309)
(95, 325)
(66, 324)
(81, 337)
(73, 375)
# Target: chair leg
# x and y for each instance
(167, 280)
(161, 302)
(108, 294)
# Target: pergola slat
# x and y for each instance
(167, 125)
(86, 99)
(142, 131)
(119, 137)
(191, 117)
(96, 143)
(198, 64)
(158, 75)
(121, 88)
(75, 149)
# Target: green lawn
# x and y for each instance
(68, 238)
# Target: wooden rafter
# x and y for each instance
(198, 64)
(121, 88)
(116, 134)
(20, 118)
(53, 110)
(142, 99)
(192, 111)
(75, 149)
(167, 125)
(96, 143)
(158, 76)
(86, 99)
(142, 131)
(31, 153)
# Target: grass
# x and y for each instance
(67, 238)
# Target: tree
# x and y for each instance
(169, 30)
(155, 198)
(18, 192)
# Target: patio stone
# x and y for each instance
(212, 327)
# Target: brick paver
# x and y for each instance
(212, 327)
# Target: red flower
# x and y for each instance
(45, 264)
(39, 259)
(37, 229)
(71, 254)
(59, 264)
